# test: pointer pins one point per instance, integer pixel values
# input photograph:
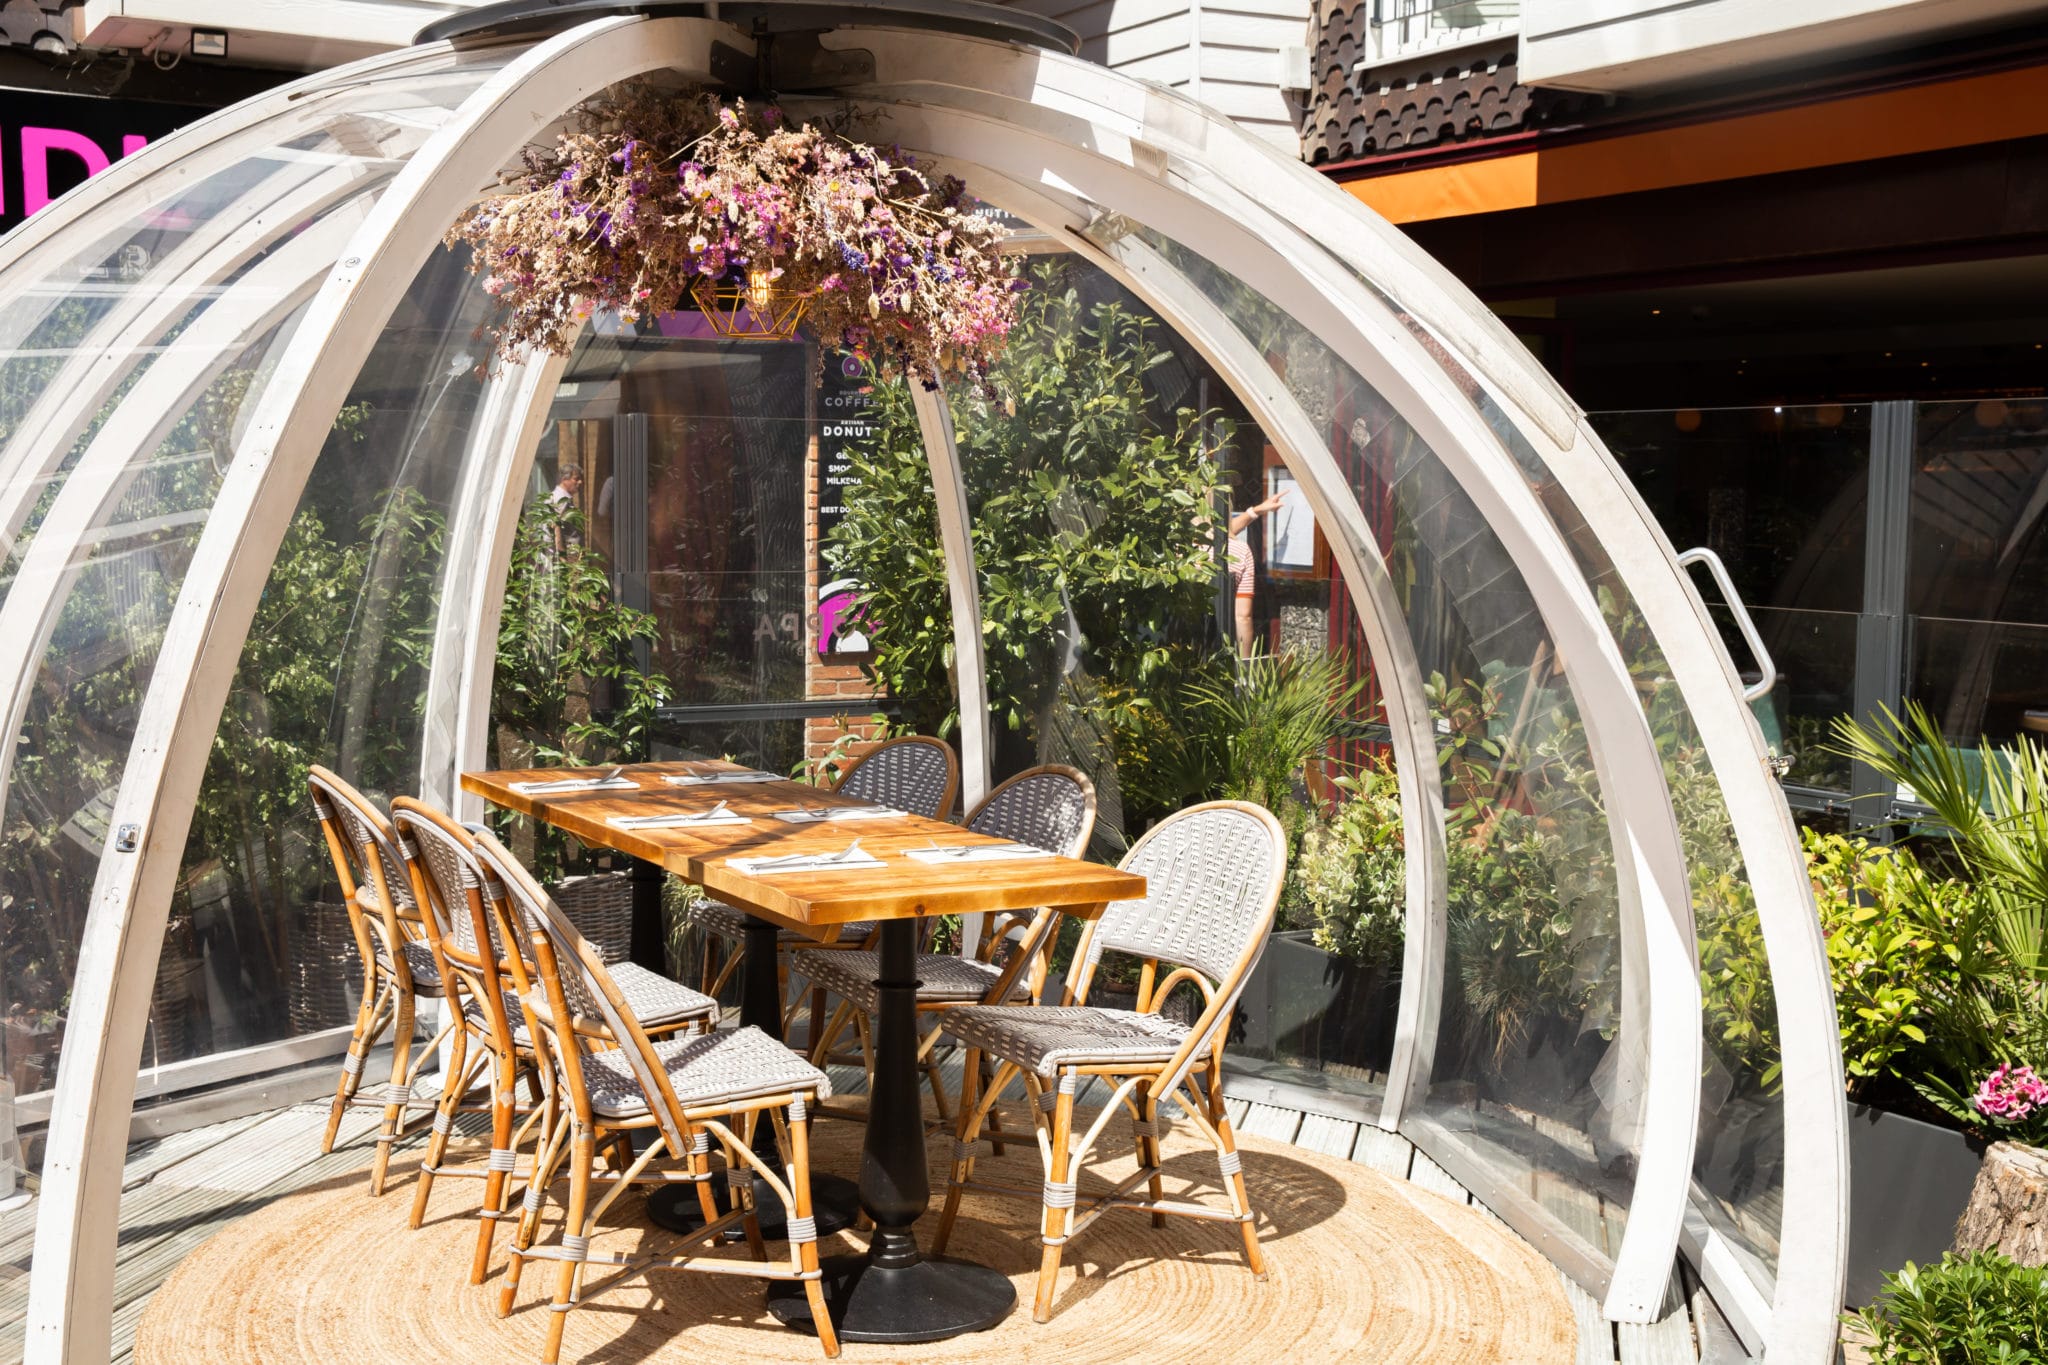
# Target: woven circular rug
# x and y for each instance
(1360, 1267)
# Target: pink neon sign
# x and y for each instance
(39, 144)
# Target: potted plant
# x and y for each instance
(1979, 1309)
(1327, 991)
(1973, 986)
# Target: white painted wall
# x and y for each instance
(1624, 45)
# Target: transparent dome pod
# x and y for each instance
(244, 350)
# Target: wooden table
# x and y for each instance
(892, 1293)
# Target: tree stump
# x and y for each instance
(2008, 1208)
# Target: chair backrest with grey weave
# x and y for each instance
(366, 834)
(586, 985)
(916, 773)
(1212, 880)
(1050, 807)
(450, 875)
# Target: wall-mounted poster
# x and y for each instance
(1290, 527)
(844, 404)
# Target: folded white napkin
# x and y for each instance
(972, 853)
(576, 784)
(714, 779)
(677, 819)
(818, 815)
(842, 861)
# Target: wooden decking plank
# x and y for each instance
(1434, 1178)
(1269, 1121)
(1388, 1153)
(1667, 1341)
(1596, 1334)
(1331, 1137)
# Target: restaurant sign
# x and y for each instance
(844, 420)
(50, 143)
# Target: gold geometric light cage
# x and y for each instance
(754, 310)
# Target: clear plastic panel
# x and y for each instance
(1538, 1044)
(334, 673)
(156, 341)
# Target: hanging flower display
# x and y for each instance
(657, 200)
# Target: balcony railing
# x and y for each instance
(1407, 28)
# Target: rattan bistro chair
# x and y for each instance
(1212, 875)
(680, 1095)
(448, 882)
(915, 773)
(397, 959)
(1050, 807)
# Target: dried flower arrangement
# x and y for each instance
(657, 196)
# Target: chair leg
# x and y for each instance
(821, 1049)
(975, 1104)
(582, 1153)
(401, 1070)
(544, 1163)
(995, 1114)
(803, 1254)
(733, 953)
(498, 1180)
(1233, 1172)
(368, 1025)
(1148, 1146)
(1057, 1217)
(444, 1121)
(817, 1014)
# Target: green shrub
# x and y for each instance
(1892, 933)
(1980, 1309)
(1349, 882)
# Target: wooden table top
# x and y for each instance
(812, 903)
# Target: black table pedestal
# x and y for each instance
(834, 1199)
(894, 1293)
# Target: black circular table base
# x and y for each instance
(927, 1300)
(835, 1203)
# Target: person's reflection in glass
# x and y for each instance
(1244, 569)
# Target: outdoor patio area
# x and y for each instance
(180, 1191)
(781, 679)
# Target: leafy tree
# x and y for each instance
(568, 687)
(1091, 528)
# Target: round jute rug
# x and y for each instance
(1361, 1267)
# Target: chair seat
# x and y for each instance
(942, 977)
(710, 1069)
(657, 1001)
(729, 921)
(1045, 1038)
(419, 960)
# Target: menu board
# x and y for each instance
(845, 415)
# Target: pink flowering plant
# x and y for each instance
(2012, 1096)
(654, 191)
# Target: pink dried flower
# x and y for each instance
(893, 261)
(2010, 1094)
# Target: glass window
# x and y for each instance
(1978, 579)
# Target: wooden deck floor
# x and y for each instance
(182, 1189)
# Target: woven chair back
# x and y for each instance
(917, 774)
(585, 985)
(367, 835)
(452, 880)
(1212, 880)
(1051, 807)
